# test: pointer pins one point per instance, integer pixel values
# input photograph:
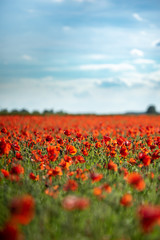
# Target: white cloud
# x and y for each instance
(112, 67)
(154, 76)
(26, 57)
(137, 52)
(80, 95)
(96, 67)
(137, 17)
(144, 61)
(144, 79)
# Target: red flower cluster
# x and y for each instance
(22, 210)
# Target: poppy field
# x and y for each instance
(80, 177)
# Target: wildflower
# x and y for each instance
(97, 191)
(52, 153)
(136, 180)
(3, 130)
(120, 141)
(67, 132)
(78, 135)
(98, 145)
(10, 232)
(132, 161)
(107, 188)
(17, 170)
(64, 164)
(145, 158)
(106, 138)
(149, 216)
(84, 151)
(80, 159)
(96, 177)
(5, 173)
(22, 209)
(4, 147)
(124, 171)
(71, 185)
(54, 172)
(126, 200)
(71, 150)
(156, 154)
(60, 141)
(112, 166)
(15, 146)
(123, 151)
(49, 138)
(67, 159)
(87, 144)
(33, 177)
(18, 156)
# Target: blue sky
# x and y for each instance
(96, 56)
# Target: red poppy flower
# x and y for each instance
(97, 191)
(10, 232)
(123, 151)
(22, 209)
(112, 166)
(71, 185)
(64, 164)
(5, 173)
(18, 156)
(149, 216)
(136, 180)
(4, 147)
(49, 138)
(98, 145)
(17, 170)
(145, 158)
(56, 171)
(96, 177)
(107, 188)
(3, 130)
(33, 177)
(71, 150)
(80, 159)
(126, 200)
(67, 132)
(52, 153)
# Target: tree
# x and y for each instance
(151, 110)
(35, 112)
(4, 111)
(48, 112)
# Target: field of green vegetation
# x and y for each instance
(80, 177)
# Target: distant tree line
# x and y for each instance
(150, 110)
(26, 112)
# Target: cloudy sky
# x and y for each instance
(96, 56)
